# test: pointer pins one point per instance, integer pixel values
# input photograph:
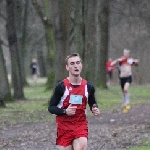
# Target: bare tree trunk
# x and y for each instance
(49, 34)
(15, 59)
(97, 66)
(46, 20)
(76, 34)
(5, 93)
(83, 27)
(21, 23)
(61, 16)
(72, 26)
(89, 39)
(41, 63)
(77, 28)
(104, 40)
(23, 43)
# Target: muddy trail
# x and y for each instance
(112, 130)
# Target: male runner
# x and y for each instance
(34, 69)
(69, 102)
(109, 71)
(125, 75)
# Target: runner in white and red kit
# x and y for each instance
(125, 75)
(69, 102)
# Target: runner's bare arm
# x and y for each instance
(135, 62)
(113, 63)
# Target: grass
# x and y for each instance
(108, 99)
(140, 148)
(34, 109)
(146, 142)
(37, 92)
(112, 98)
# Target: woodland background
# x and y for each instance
(49, 30)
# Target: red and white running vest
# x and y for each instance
(77, 96)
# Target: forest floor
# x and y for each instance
(111, 130)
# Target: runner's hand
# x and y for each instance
(136, 60)
(71, 110)
(95, 110)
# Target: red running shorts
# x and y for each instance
(66, 137)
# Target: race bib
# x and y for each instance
(75, 99)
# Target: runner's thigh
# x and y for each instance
(80, 143)
(126, 86)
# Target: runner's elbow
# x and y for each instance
(50, 109)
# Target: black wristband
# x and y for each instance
(64, 111)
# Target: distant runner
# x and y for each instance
(125, 64)
(109, 71)
(34, 69)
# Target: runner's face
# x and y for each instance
(126, 54)
(74, 66)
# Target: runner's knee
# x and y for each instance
(125, 91)
(80, 144)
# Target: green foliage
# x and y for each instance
(50, 81)
(140, 148)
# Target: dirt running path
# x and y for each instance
(111, 130)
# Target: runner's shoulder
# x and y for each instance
(60, 86)
(90, 87)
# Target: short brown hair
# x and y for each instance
(72, 55)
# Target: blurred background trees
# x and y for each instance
(14, 50)
(49, 30)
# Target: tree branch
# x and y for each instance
(39, 10)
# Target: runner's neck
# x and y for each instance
(75, 80)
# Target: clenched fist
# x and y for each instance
(95, 110)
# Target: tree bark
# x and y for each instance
(72, 27)
(23, 42)
(21, 23)
(77, 28)
(89, 39)
(46, 20)
(97, 70)
(41, 63)
(5, 93)
(13, 47)
(61, 15)
(104, 40)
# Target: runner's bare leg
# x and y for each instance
(126, 93)
(80, 143)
